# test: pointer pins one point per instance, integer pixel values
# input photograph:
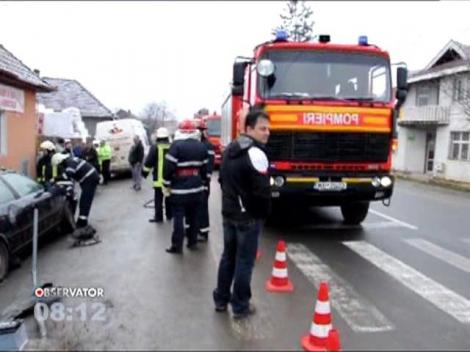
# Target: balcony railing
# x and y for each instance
(430, 114)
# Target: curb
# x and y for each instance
(457, 186)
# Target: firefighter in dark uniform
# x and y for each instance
(204, 226)
(44, 170)
(184, 177)
(155, 160)
(75, 169)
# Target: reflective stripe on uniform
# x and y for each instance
(190, 163)
(187, 191)
(86, 175)
(211, 152)
(171, 158)
(80, 165)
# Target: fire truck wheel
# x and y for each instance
(354, 213)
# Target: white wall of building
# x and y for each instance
(410, 155)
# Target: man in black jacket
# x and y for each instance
(91, 155)
(136, 157)
(184, 177)
(246, 203)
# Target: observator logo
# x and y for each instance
(69, 292)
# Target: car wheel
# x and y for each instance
(4, 260)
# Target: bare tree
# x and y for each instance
(296, 20)
(458, 90)
(155, 115)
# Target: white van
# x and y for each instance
(119, 134)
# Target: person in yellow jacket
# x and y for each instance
(104, 157)
(45, 172)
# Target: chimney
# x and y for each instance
(36, 71)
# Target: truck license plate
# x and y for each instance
(330, 186)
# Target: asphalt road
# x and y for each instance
(398, 282)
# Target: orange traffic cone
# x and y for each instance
(279, 281)
(333, 343)
(321, 323)
(258, 254)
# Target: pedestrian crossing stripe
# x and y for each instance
(360, 315)
(443, 298)
(443, 254)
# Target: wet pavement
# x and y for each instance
(399, 281)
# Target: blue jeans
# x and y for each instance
(236, 264)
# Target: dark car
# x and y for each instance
(18, 197)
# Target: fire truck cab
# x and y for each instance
(333, 120)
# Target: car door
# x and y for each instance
(7, 231)
(30, 194)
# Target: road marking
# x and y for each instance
(402, 223)
(361, 315)
(364, 225)
(443, 298)
(443, 254)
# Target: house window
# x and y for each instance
(458, 89)
(3, 134)
(427, 94)
(459, 146)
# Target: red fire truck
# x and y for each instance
(213, 131)
(333, 120)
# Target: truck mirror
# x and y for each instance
(239, 73)
(402, 78)
(401, 95)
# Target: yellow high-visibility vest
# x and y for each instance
(161, 152)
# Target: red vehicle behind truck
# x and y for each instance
(213, 131)
(333, 120)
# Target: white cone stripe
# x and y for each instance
(280, 256)
(320, 330)
(443, 254)
(360, 314)
(446, 300)
(322, 307)
(280, 273)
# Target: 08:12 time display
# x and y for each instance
(60, 312)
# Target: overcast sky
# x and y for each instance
(131, 53)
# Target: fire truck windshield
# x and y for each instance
(213, 127)
(304, 75)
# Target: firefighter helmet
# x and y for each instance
(57, 158)
(187, 126)
(47, 145)
(162, 132)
